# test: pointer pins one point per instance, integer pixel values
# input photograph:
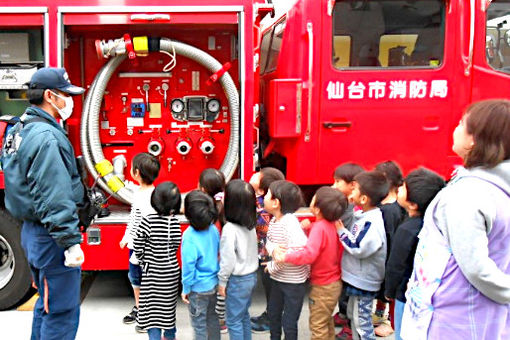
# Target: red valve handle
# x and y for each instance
(129, 46)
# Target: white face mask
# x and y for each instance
(67, 110)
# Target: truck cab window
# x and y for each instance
(497, 43)
(276, 45)
(264, 49)
(388, 33)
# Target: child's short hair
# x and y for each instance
(200, 210)
(269, 175)
(147, 165)
(331, 202)
(212, 181)
(347, 172)
(392, 172)
(166, 199)
(374, 185)
(240, 204)
(422, 186)
(289, 195)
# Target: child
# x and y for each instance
(324, 252)
(418, 190)
(288, 286)
(238, 257)
(212, 182)
(144, 170)
(365, 252)
(392, 214)
(199, 255)
(260, 182)
(344, 182)
(156, 242)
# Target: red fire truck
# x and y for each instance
(206, 86)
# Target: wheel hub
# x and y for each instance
(7, 262)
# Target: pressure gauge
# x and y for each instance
(177, 106)
(213, 105)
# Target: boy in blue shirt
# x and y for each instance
(200, 266)
(363, 261)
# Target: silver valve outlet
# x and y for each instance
(183, 146)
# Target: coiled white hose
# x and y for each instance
(89, 135)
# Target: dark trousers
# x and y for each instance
(342, 302)
(266, 283)
(284, 308)
(57, 311)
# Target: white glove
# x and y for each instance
(74, 256)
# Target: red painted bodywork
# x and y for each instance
(412, 132)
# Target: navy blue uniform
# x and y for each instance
(43, 188)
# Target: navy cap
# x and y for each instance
(54, 78)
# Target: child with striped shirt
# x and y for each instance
(155, 245)
(288, 281)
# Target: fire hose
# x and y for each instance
(90, 142)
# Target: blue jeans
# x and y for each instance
(285, 304)
(155, 333)
(134, 273)
(239, 290)
(399, 312)
(203, 316)
(57, 311)
(359, 311)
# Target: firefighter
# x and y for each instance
(43, 188)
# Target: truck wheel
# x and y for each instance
(15, 278)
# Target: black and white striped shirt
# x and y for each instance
(156, 243)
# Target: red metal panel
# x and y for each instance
(284, 111)
(122, 18)
(21, 19)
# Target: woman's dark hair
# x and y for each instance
(347, 172)
(374, 185)
(35, 96)
(392, 172)
(200, 210)
(269, 175)
(240, 204)
(488, 122)
(331, 202)
(289, 195)
(212, 181)
(422, 185)
(166, 199)
(148, 165)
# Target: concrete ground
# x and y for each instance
(108, 299)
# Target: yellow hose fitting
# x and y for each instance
(104, 167)
(115, 183)
(141, 46)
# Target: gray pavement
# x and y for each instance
(106, 303)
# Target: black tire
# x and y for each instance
(16, 289)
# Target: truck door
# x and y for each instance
(492, 51)
(390, 83)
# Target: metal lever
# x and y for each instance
(165, 88)
(146, 87)
(332, 125)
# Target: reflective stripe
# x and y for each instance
(46, 297)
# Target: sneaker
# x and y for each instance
(223, 327)
(131, 317)
(262, 327)
(340, 321)
(257, 319)
(344, 334)
(139, 329)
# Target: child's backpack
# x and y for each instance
(6, 123)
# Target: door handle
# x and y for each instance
(332, 125)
